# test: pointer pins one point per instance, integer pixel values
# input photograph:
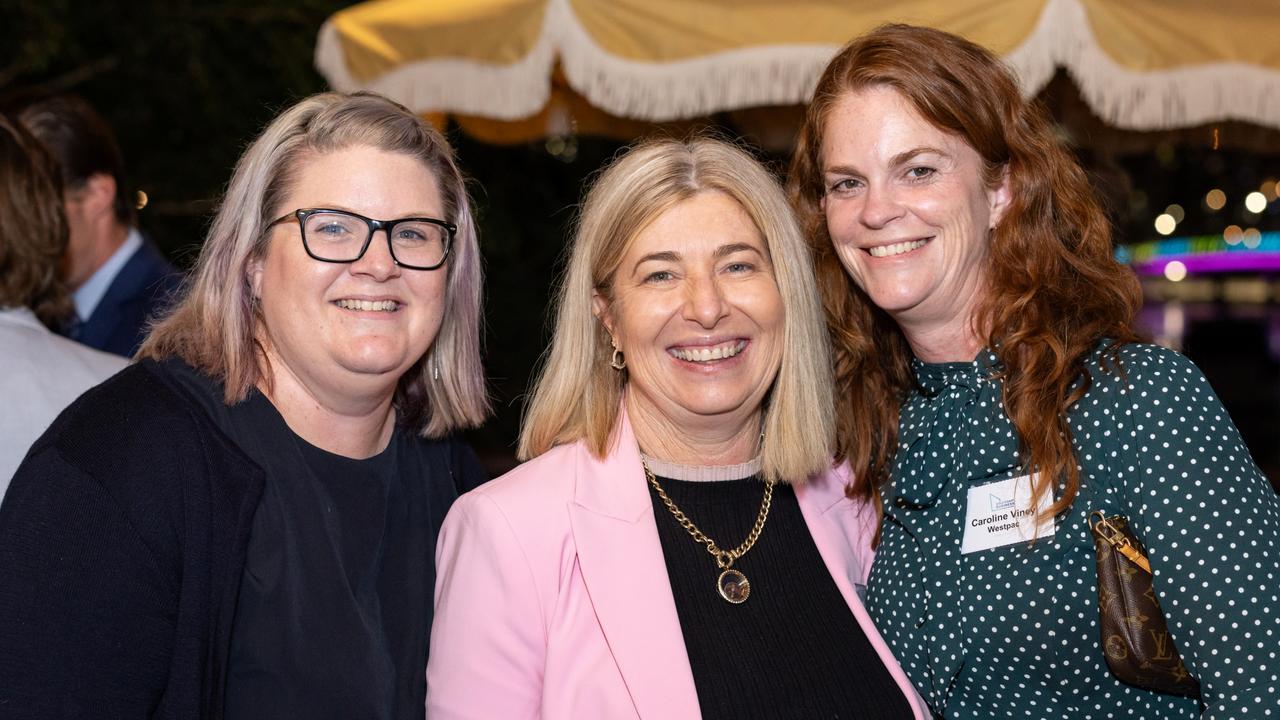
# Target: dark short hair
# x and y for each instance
(33, 234)
(82, 143)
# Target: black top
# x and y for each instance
(122, 546)
(334, 609)
(793, 649)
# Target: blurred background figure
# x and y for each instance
(118, 279)
(43, 373)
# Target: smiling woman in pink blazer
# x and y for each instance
(679, 546)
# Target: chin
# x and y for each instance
(711, 407)
(376, 361)
(895, 300)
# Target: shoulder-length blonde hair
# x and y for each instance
(1054, 288)
(577, 394)
(214, 326)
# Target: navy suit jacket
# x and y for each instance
(144, 286)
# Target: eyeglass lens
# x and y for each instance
(339, 237)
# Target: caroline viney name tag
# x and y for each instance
(1001, 513)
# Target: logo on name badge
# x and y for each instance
(1004, 513)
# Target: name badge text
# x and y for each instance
(1002, 513)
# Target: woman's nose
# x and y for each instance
(706, 303)
(377, 261)
(880, 206)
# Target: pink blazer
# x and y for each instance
(552, 598)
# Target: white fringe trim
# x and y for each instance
(1153, 100)
(787, 74)
(750, 77)
(502, 92)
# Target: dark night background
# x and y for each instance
(187, 85)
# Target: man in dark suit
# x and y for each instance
(119, 280)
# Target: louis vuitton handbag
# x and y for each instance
(1135, 637)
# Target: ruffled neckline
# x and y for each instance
(934, 378)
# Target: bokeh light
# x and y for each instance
(1255, 202)
(1175, 271)
(1215, 199)
(1176, 212)
(1165, 224)
(1233, 234)
(1269, 188)
(1252, 238)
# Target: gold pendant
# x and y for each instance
(733, 586)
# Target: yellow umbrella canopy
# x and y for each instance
(551, 65)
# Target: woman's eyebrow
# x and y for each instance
(907, 156)
(664, 256)
(731, 248)
(840, 170)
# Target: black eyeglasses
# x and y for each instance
(338, 236)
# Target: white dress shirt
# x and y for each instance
(41, 374)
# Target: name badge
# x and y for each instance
(1002, 513)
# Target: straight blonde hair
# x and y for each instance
(577, 393)
(215, 325)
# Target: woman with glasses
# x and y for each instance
(242, 524)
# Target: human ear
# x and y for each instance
(601, 309)
(99, 194)
(999, 198)
(253, 274)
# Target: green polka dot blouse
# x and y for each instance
(1012, 631)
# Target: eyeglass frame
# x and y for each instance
(301, 215)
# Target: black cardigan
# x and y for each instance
(122, 544)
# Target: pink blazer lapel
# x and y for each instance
(842, 531)
(626, 577)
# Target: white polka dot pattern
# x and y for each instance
(1012, 632)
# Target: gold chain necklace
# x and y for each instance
(732, 584)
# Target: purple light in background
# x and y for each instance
(1205, 254)
(1214, 263)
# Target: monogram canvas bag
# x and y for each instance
(1135, 637)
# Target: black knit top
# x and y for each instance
(793, 649)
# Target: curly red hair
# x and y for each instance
(1055, 290)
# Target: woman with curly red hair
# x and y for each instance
(991, 386)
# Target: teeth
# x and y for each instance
(368, 305)
(896, 249)
(719, 352)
